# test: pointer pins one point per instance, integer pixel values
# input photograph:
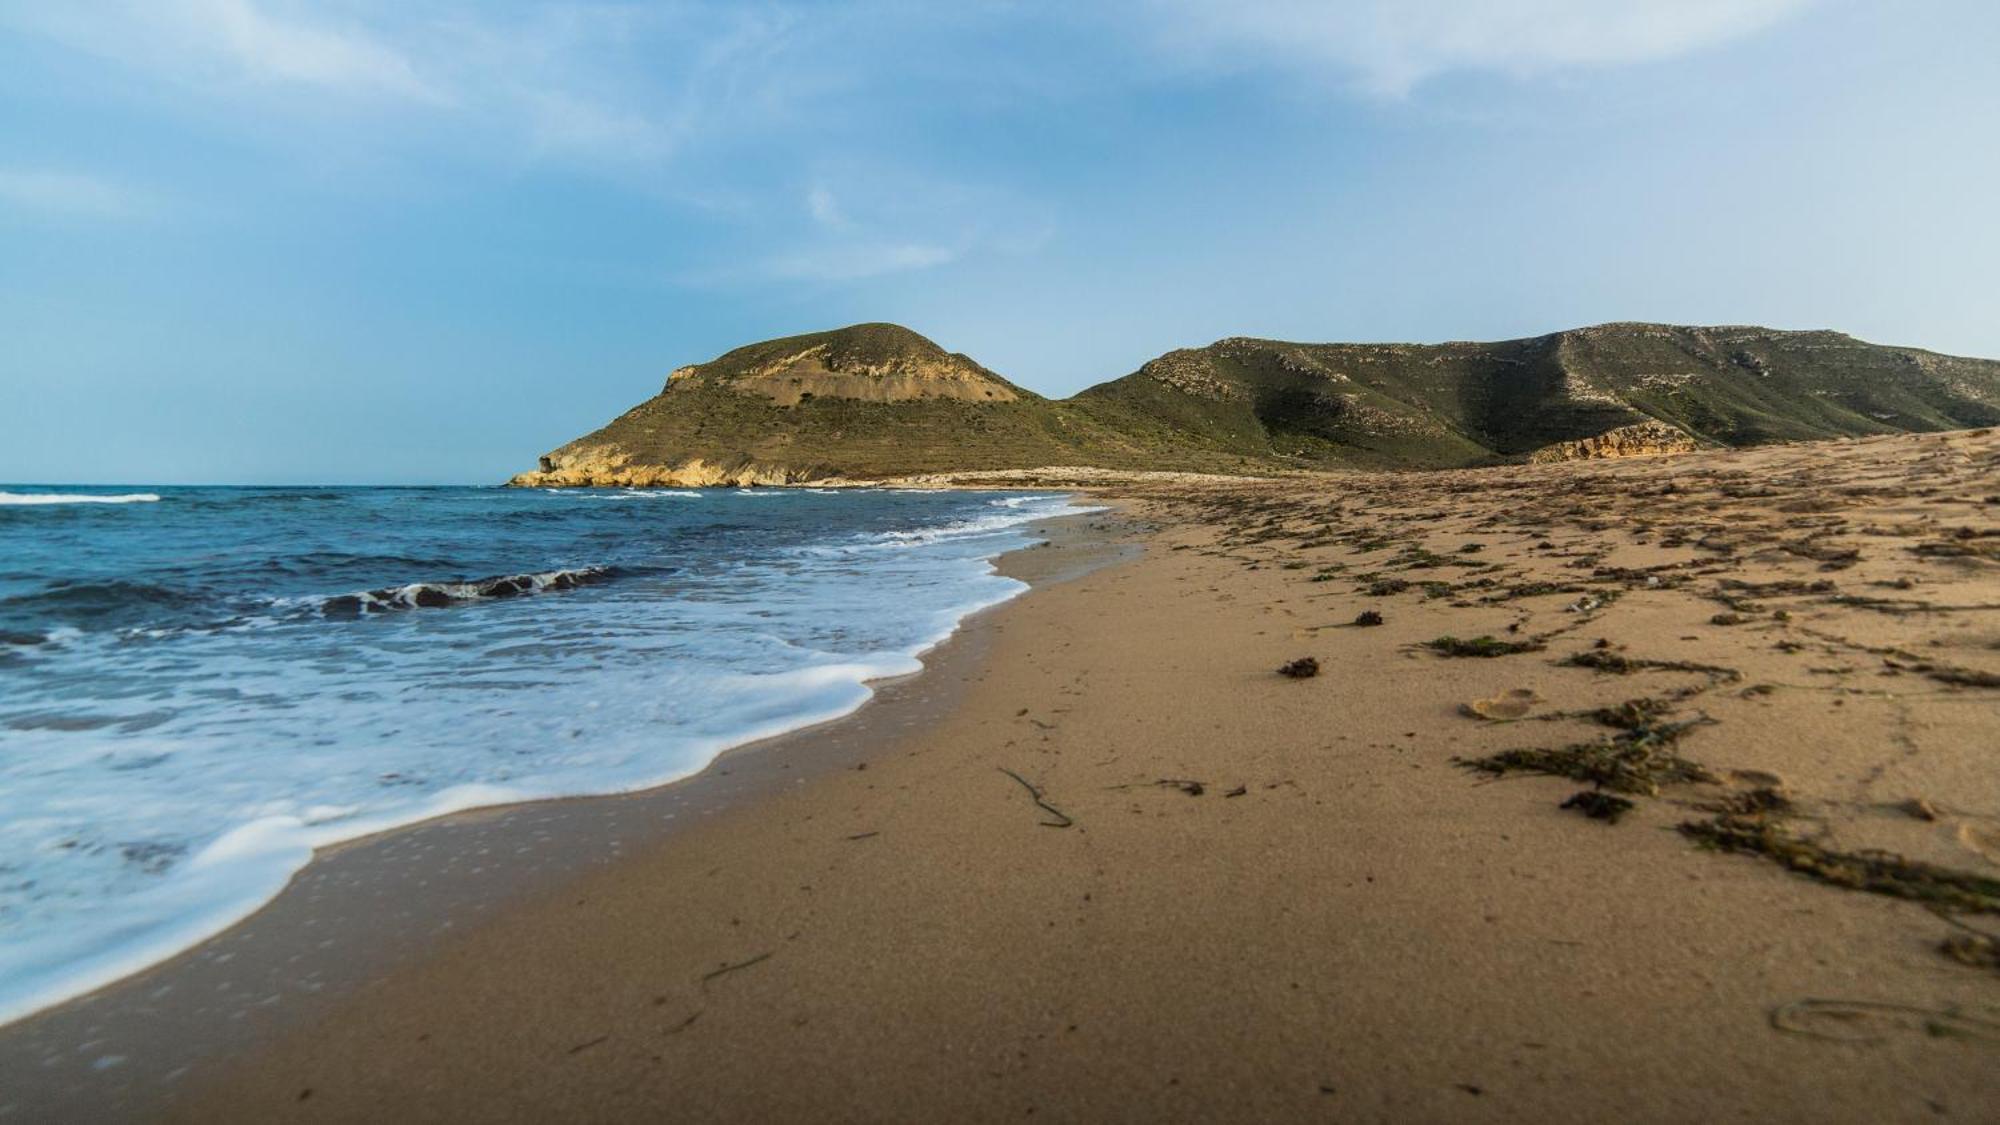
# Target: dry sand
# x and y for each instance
(1249, 897)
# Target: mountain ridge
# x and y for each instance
(877, 400)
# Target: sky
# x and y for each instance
(370, 241)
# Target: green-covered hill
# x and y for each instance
(877, 400)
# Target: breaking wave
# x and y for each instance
(27, 499)
(433, 595)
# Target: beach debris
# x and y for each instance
(1919, 808)
(588, 1044)
(1304, 668)
(1238, 791)
(1186, 785)
(1727, 619)
(1480, 646)
(1367, 617)
(1879, 873)
(1870, 1021)
(1631, 714)
(1960, 677)
(1598, 805)
(735, 966)
(1757, 778)
(1062, 819)
(1514, 703)
(1635, 761)
(1753, 802)
(1601, 658)
(1383, 587)
(864, 835)
(1977, 950)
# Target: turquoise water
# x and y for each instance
(200, 685)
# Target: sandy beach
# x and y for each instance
(1109, 864)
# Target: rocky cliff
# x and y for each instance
(1643, 439)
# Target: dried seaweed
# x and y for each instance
(1879, 873)
(1598, 805)
(1481, 646)
(1304, 668)
(1637, 761)
(1618, 664)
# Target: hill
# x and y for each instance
(878, 400)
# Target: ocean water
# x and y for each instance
(200, 685)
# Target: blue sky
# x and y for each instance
(264, 240)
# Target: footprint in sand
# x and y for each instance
(1984, 842)
(1512, 704)
(1865, 1021)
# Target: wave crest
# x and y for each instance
(432, 595)
(28, 499)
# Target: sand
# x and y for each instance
(1244, 896)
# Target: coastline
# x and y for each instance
(1120, 869)
(366, 904)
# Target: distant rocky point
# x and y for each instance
(878, 401)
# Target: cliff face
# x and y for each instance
(605, 466)
(874, 400)
(1644, 439)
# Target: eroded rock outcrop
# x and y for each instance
(1642, 439)
(609, 467)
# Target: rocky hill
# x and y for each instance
(878, 400)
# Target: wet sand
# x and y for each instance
(367, 907)
(1130, 872)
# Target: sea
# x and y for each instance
(199, 686)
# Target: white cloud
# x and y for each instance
(1387, 47)
(69, 193)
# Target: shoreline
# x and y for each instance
(343, 919)
(1123, 870)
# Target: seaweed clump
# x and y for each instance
(1976, 950)
(1632, 714)
(1304, 668)
(1482, 646)
(1598, 805)
(1879, 873)
(1636, 761)
(1618, 664)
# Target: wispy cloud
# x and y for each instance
(66, 193)
(1388, 47)
(233, 41)
(563, 125)
(600, 84)
(825, 209)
